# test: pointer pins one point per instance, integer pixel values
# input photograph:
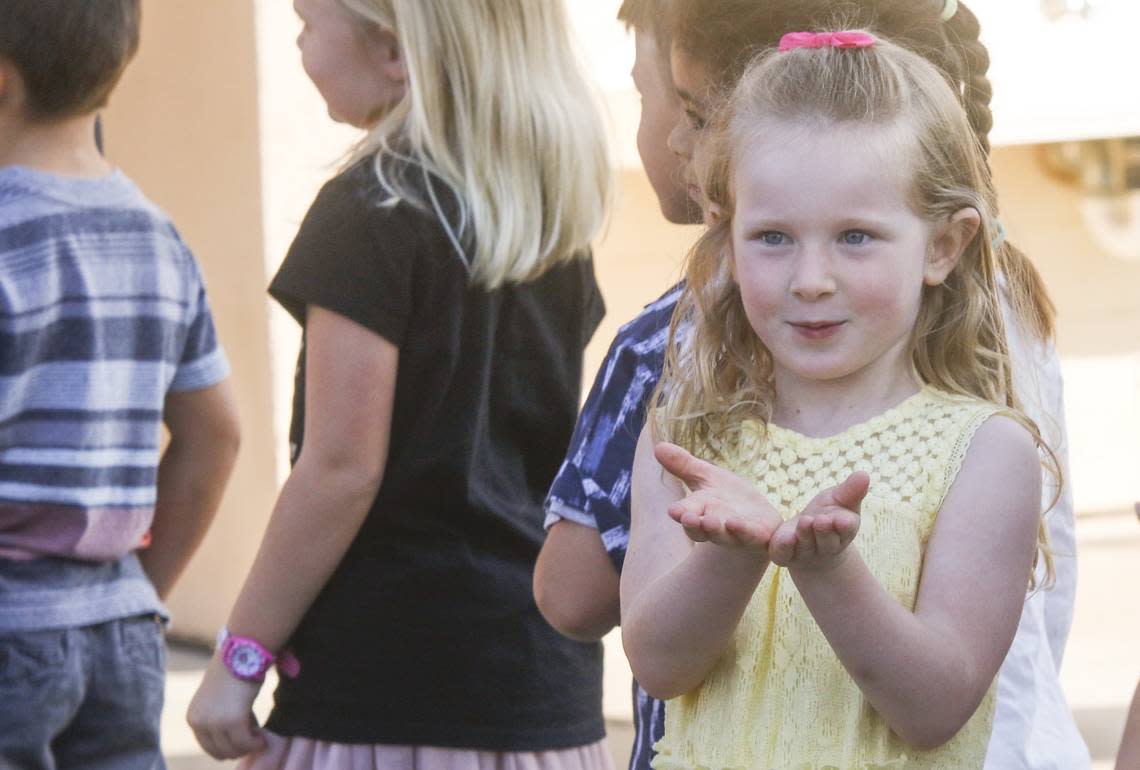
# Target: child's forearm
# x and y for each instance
(912, 673)
(318, 514)
(191, 480)
(576, 584)
(676, 628)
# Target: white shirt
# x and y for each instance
(1033, 724)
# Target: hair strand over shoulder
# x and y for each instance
(499, 112)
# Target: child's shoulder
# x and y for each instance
(391, 189)
(647, 333)
(1004, 435)
(944, 403)
(81, 202)
(47, 220)
(989, 432)
(953, 413)
(655, 315)
(36, 207)
(397, 208)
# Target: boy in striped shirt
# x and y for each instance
(105, 334)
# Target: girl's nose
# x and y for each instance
(680, 141)
(812, 278)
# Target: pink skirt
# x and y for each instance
(305, 754)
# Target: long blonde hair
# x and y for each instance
(717, 370)
(497, 109)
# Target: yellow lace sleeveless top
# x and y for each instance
(779, 699)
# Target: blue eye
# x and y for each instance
(772, 238)
(855, 238)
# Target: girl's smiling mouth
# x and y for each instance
(817, 330)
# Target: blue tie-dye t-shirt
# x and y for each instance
(593, 485)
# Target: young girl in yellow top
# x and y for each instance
(832, 542)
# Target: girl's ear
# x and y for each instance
(391, 55)
(949, 244)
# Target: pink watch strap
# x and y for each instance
(288, 664)
(286, 661)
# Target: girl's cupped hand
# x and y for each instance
(721, 507)
(818, 537)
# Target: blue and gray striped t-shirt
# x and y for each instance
(102, 313)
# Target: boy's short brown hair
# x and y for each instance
(644, 15)
(69, 53)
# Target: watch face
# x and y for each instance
(246, 661)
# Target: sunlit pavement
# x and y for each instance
(1102, 664)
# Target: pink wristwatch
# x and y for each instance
(248, 660)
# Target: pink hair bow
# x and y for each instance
(794, 40)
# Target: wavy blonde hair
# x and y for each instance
(717, 370)
(498, 110)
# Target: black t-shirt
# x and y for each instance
(427, 632)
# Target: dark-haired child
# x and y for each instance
(105, 334)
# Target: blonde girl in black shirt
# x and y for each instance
(446, 292)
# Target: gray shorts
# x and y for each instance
(87, 698)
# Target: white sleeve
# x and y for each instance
(1040, 389)
(556, 512)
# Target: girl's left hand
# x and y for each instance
(221, 714)
(817, 539)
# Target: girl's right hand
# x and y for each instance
(721, 507)
(221, 714)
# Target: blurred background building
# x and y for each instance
(219, 125)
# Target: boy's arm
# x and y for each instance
(192, 475)
(577, 573)
(575, 582)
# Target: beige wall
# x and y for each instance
(184, 124)
(218, 124)
(1096, 294)
(1098, 327)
